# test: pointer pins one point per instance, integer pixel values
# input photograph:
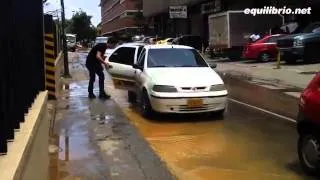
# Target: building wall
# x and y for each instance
(117, 25)
(154, 7)
(114, 15)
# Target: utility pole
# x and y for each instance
(65, 49)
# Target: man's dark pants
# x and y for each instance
(93, 70)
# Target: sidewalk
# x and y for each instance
(94, 139)
(290, 75)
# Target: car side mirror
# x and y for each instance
(136, 66)
(213, 66)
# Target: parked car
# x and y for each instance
(165, 79)
(189, 40)
(146, 39)
(101, 40)
(264, 49)
(166, 41)
(309, 127)
(304, 45)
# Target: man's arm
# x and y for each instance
(100, 58)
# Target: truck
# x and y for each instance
(229, 30)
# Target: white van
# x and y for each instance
(71, 42)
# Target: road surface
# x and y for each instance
(256, 139)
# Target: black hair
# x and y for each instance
(112, 40)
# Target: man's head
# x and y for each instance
(112, 42)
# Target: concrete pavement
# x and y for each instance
(298, 75)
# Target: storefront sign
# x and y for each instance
(178, 12)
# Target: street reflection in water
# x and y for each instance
(73, 154)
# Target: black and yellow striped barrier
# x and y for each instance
(50, 59)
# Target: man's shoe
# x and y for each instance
(92, 96)
(104, 96)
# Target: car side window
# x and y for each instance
(123, 55)
(142, 58)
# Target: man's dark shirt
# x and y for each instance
(91, 59)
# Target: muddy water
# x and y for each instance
(73, 154)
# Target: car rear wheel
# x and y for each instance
(309, 153)
(264, 57)
(146, 108)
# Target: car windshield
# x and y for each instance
(311, 28)
(174, 57)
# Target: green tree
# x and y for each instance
(80, 24)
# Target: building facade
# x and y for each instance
(196, 23)
(120, 16)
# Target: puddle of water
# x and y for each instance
(65, 97)
(102, 118)
(74, 157)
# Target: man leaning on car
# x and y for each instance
(94, 63)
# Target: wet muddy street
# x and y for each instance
(93, 140)
(103, 140)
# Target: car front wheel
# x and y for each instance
(309, 153)
(146, 108)
(217, 114)
(132, 97)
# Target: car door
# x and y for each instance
(312, 104)
(138, 72)
(271, 46)
(122, 72)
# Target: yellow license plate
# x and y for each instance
(194, 103)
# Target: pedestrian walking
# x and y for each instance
(94, 62)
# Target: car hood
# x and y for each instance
(185, 76)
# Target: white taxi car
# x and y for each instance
(168, 79)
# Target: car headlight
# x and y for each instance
(164, 88)
(218, 87)
(298, 43)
